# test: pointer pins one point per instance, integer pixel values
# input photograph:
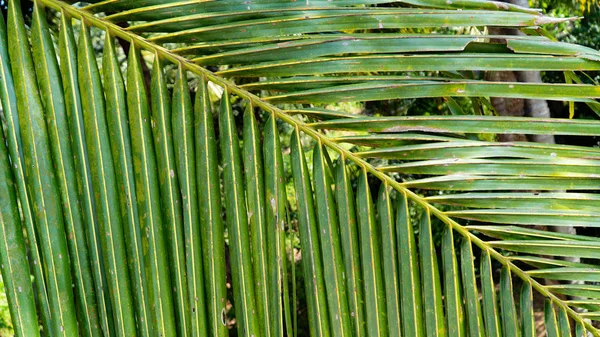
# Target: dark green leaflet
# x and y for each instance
(350, 246)
(375, 305)
(13, 255)
(170, 196)
(329, 238)
(410, 280)
(309, 239)
(580, 330)
(185, 157)
(255, 197)
(381, 90)
(563, 323)
(104, 184)
(69, 72)
(42, 183)
(209, 195)
(275, 199)
(452, 286)
(550, 320)
(390, 259)
(301, 23)
(472, 306)
(507, 305)
(432, 296)
(13, 139)
(264, 33)
(237, 223)
(148, 198)
(464, 124)
(527, 318)
(51, 89)
(118, 128)
(490, 302)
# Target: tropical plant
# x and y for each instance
(121, 197)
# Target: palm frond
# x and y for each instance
(134, 200)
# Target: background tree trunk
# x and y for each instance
(520, 107)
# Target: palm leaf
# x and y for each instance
(366, 269)
(42, 186)
(51, 89)
(13, 139)
(14, 256)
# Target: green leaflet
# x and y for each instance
(13, 255)
(275, 199)
(390, 260)
(237, 223)
(452, 286)
(471, 149)
(69, 72)
(42, 184)
(148, 201)
(118, 128)
(292, 21)
(310, 47)
(530, 217)
(210, 6)
(503, 183)
(575, 168)
(209, 194)
(51, 89)
(507, 305)
(299, 83)
(585, 249)
(580, 330)
(581, 290)
(375, 305)
(527, 325)
(550, 319)
(312, 263)
(432, 296)
(472, 306)
(255, 197)
(298, 23)
(410, 280)
(170, 195)
(182, 121)
(160, 8)
(403, 63)
(383, 90)
(10, 123)
(350, 246)
(102, 171)
(318, 46)
(490, 302)
(540, 262)
(329, 238)
(567, 273)
(516, 232)
(563, 323)
(582, 202)
(495, 177)
(464, 124)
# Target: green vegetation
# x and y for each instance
(6, 328)
(299, 168)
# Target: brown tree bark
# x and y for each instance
(523, 107)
